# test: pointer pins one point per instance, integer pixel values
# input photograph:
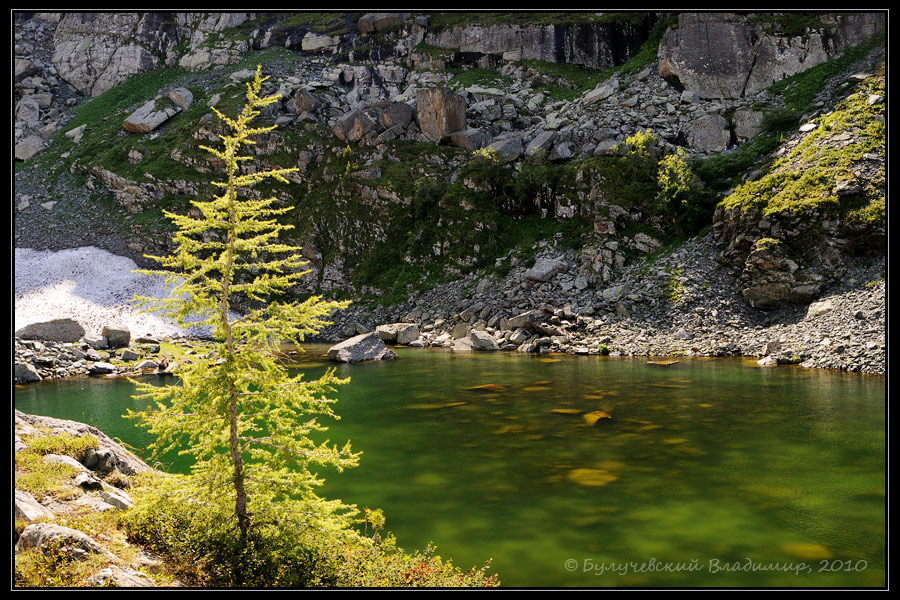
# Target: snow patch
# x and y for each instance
(91, 286)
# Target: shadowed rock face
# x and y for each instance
(725, 55)
(597, 45)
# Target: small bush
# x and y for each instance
(196, 538)
(780, 119)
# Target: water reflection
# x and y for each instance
(511, 457)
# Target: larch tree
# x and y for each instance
(243, 418)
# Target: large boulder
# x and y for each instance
(544, 269)
(117, 336)
(25, 373)
(441, 112)
(373, 119)
(507, 147)
(305, 101)
(181, 97)
(482, 340)
(747, 123)
(398, 333)
(28, 147)
(318, 42)
(528, 320)
(360, 348)
(709, 133)
(469, 139)
(57, 330)
(771, 279)
(30, 510)
(150, 115)
(353, 126)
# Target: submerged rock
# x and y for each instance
(591, 477)
(592, 417)
(360, 348)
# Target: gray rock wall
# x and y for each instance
(727, 55)
(590, 44)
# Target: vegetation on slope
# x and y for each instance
(825, 170)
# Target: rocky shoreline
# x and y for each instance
(683, 303)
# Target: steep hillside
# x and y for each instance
(464, 151)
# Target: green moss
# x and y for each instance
(674, 287)
(807, 177)
(766, 243)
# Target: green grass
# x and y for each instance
(484, 77)
(790, 24)
(42, 478)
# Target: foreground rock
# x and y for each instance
(108, 457)
(48, 537)
(482, 341)
(91, 482)
(361, 348)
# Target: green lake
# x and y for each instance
(710, 472)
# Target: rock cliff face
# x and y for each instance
(725, 55)
(596, 45)
(95, 51)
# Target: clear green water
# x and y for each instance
(710, 472)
